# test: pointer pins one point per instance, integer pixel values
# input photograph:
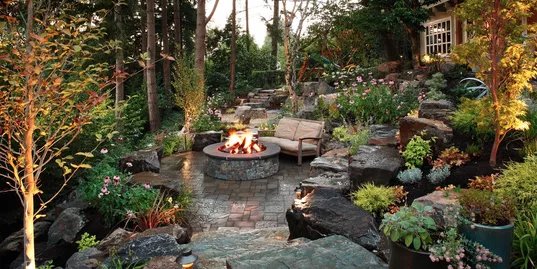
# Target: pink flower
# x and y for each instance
(106, 180)
(391, 82)
(147, 186)
(359, 79)
(105, 191)
(104, 150)
(116, 180)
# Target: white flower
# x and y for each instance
(128, 164)
(104, 150)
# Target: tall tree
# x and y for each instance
(177, 28)
(120, 57)
(166, 72)
(233, 56)
(247, 24)
(275, 33)
(143, 7)
(201, 35)
(152, 105)
(506, 60)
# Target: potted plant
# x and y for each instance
(488, 220)
(411, 231)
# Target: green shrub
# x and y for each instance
(205, 123)
(174, 142)
(525, 240)
(411, 226)
(410, 176)
(436, 84)
(437, 175)
(106, 189)
(416, 151)
(518, 181)
(134, 118)
(468, 119)
(358, 139)
(486, 207)
(374, 199)
(87, 241)
(341, 133)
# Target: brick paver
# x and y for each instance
(241, 204)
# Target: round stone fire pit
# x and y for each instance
(252, 166)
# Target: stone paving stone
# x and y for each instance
(236, 204)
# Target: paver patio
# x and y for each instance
(241, 204)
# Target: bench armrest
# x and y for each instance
(318, 150)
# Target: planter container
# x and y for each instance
(498, 239)
(405, 258)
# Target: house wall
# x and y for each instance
(456, 28)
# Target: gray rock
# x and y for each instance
(326, 211)
(411, 126)
(215, 247)
(204, 139)
(66, 227)
(144, 248)
(445, 204)
(328, 99)
(140, 161)
(382, 135)
(339, 181)
(377, 164)
(181, 235)
(162, 262)
(14, 242)
(309, 88)
(339, 152)
(87, 259)
(250, 112)
(324, 88)
(113, 240)
(441, 110)
(330, 252)
(334, 164)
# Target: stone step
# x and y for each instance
(334, 251)
(268, 91)
(262, 98)
(264, 94)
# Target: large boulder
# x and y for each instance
(140, 161)
(201, 140)
(90, 258)
(250, 112)
(309, 88)
(144, 248)
(331, 252)
(326, 211)
(113, 240)
(411, 126)
(377, 164)
(14, 242)
(437, 110)
(66, 227)
(324, 88)
(445, 204)
(162, 262)
(334, 164)
(181, 235)
(383, 135)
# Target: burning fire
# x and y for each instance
(242, 142)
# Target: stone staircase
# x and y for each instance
(260, 98)
(269, 248)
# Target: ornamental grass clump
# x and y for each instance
(519, 182)
(378, 199)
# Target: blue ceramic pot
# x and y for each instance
(406, 258)
(498, 239)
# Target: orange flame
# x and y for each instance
(242, 142)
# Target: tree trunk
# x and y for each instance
(177, 31)
(247, 25)
(494, 52)
(120, 69)
(166, 71)
(29, 187)
(289, 61)
(275, 34)
(233, 57)
(154, 120)
(143, 7)
(199, 53)
(414, 37)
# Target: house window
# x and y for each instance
(438, 37)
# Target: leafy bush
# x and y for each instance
(486, 207)
(468, 119)
(525, 240)
(87, 241)
(205, 123)
(518, 181)
(410, 176)
(106, 190)
(174, 142)
(416, 151)
(453, 156)
(374, 199)
(436, 84)
(358, 139)
(437, 175)
(341, 133)
(411, 226)
(134, 118)
(189, 91)
(485, 183)
(46, 265)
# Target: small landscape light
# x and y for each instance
(187, 259)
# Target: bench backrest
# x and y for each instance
(294, 128)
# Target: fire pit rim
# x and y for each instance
(271, 150)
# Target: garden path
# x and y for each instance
(240, 204)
